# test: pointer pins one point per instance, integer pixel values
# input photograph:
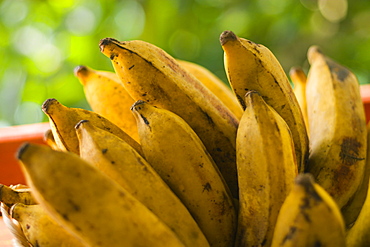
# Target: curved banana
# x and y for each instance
(40, 229)
(18, 237)
(11, 195)
(63, 120)
(299, 79)
(266, 170)
(309, 217)
(88, 203)
(123, 164)
(337, 123)
(107, 96)
(50, 140)
(150, 74)
(180, 158)
(213, 83)
(352, 209)
(358, 235)
(251, 66)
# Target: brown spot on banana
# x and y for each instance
(307, 182)
(207, 187)
(290, 234)
(226, 36)
(349, 151)
(339, 71)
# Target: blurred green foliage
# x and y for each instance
(42, 41)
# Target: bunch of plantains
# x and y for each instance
(171, 156)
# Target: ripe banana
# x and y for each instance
(180, 158)
(107, 96)
(337, 124)
(266, 170)
(352, 209)
(251, 66)
(309, 217)
(49, 140)
(11, 195)
(40, 229)
(213, 83)
(358, 234)
(123, 164)
(150, 74)
(63, 120)
(18, 239)
(89, 203)
(299, 79)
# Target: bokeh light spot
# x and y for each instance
(28, 40)
(184, 45)
(13, 12)
(333, 10)
(130, 20)
(81, 21)
(27, 113)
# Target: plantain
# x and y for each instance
(50, 140)
(353, 207)
(215, 84)
(266, 170)
(299, 79)
(251, 66)
(180, 158)
(150, 74)
(40, 229)
(88, 203)
(128, 168)
(309, 217)
(107, 96)
(337, 123)
(18, 237)
(63, 120)
(10, 195)
(358, 234)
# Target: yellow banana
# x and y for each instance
(107, 96)
(89, 203)
(309, 217)
(337, 126)
(63, 120)
(352, 209)
(150, 74)
(181, 159)
(251, 66)
(215, 84)
(358, 235)
(11, 195)
(40, 229)
(123, 164)
(299, 79)
(50, 140)
(266, 170)
(18, 237)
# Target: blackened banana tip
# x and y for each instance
(21, 150)
(227, 36)
(294, 69)
(137, 103)
(251, 92)
(106, 41)
(80, 122)
(47, 103)
(81, 69)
